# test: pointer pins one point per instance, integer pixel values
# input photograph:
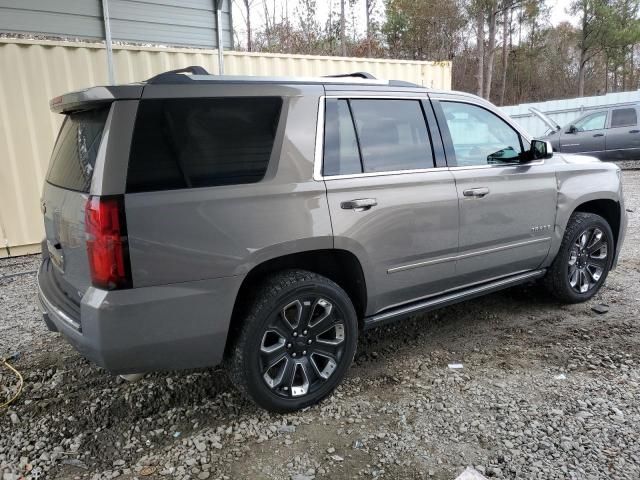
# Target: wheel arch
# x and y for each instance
(608, 209)
(339, 266)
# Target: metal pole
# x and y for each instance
(219, 36)
(107, 39)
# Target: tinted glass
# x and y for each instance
(392, 134)
(623, 117)
(480, 137)
(341, 155)
(74, 155)
(592, 122)
(201, 142)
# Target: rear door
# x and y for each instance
(65, 195)
(623, 136)
(507, 209)
(588, 136)
(389, 202)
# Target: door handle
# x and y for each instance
(598, 135)
(634, 131)
(359, 204)
(476, 192)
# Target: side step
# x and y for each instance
(445, 300)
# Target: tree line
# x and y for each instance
(508, 51)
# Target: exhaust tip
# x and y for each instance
(132, 377)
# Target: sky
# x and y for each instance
(558, 13)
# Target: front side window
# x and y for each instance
(201, 142)
(592, 122)
(623, 117)
(480, 137)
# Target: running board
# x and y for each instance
(449, 299)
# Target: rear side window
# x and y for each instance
(623, 117)
(392, 134)
(201, 142)
(377, 135)
(75, 151)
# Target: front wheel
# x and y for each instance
(297, 341)
(584, 260)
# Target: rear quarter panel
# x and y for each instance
(202, 233)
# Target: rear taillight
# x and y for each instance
(107, 245)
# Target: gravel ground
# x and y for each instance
(546, 391)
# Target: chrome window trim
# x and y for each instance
(319, 149)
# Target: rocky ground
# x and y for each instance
(546, 391)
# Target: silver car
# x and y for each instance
(262, 223)
(609, 133)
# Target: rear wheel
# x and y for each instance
(584, 260)
(296, 343)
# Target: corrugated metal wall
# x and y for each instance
(565, 111)
(33, 72)
(169, 22)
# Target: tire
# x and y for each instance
(297, 340)
(582, 263)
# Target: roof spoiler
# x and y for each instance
(93, 97)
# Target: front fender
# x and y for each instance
(578, 185)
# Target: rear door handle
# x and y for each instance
(359, 204)
(476, 192)
(598, 135)
(634, 131)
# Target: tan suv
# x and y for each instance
(193, 220)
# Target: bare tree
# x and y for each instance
(246, 16)
(492, 15)
(480, 50)
(369, 6)
(343, 37)
(507, 17)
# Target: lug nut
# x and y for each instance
(304, 352)
(295, 334)
(294, 354)
(304, 333)
(309, 341)
(288, 345)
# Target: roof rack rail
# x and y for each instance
(365, 75)
(403, 83)
(173, 76)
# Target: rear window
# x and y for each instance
(74, 155)
(201, 142)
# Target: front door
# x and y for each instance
(507, 209)
(587, 135)
(389, 204)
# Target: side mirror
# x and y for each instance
(540, 149)
(572, 129)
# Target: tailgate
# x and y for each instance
(65, 196)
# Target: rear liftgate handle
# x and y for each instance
(359, 205)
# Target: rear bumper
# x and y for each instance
(145, 329)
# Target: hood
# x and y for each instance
(548, 122)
